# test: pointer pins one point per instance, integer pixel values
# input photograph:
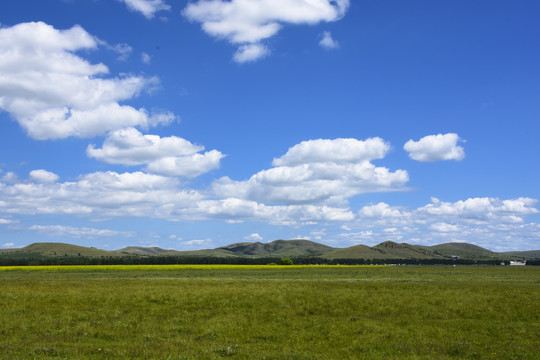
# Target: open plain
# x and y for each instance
(269, 312)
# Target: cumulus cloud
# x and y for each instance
(240, 210)
(187, 166)
(254, 237)
(97, 194)
(339, 151)
(147, 7)
(380, 210)
(130, 147)
(110, 194)
(54, 93)
(489, 222)
(248, 23)
(445, 215)
(10, 177)
(319, 172)
(444, 227)
(250, 52)
(482, 209)
(435, 148)
(197, 244)
(43, 176)
(172, 156)
(327, 42)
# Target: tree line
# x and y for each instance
(212, 260)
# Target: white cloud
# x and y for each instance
(447, 215)
(435, 148)
(101, 194)
(250, 52)
(43, 176)
(380, 210)
(10, 177)
(239, 210)
(247, 23)
(483, 209)
(5, 221)
(54, 93)
(189, 166)
(172, 156)
(254, 237)
(8, 245)
(319, 172)
(339, 151)
(130, 147)
(444, 227)
(109, 194)
(123, 50)
(199, 244)
(384, 216)
(327, 42)
(488, 222)
(60, 230)
(145, 58)
(147, 7)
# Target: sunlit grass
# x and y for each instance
(269, 312)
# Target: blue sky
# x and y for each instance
(198, 124)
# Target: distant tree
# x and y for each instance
(286, 261)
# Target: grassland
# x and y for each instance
(269, 312)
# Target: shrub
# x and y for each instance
(286, 261)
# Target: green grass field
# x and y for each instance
(269, 312)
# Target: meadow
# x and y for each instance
(269, 312)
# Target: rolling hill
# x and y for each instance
(353, 252)
(278, 248)
(522, 255)
(143, 251)
(405, 251)
(282, 248)
(463, 250)
(56, 249)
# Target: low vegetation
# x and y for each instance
(269, 312)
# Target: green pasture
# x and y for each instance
(269, 312)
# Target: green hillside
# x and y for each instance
(57, 249)
(203, 252)
(143, 251)
(392, 250)
(278, 248)
(353, 252)
(463, 250)
(521, 255)
(405, 251)
(385, 250)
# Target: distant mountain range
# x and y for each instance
(283, 248)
